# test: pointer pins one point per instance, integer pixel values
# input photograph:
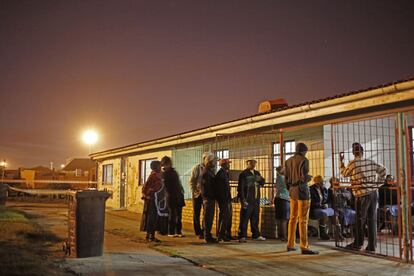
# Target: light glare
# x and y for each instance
(90, 137)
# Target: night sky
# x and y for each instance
(137, 70)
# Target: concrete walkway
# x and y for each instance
(259, 258)
(126, 253)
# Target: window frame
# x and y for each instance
(141, 162)
(286, 155)
(105, 168)
(220, 154)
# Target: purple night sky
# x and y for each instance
(137, 70)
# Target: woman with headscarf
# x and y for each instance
(153, 185)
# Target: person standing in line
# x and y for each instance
(175, 197)
(223, 196)
(195, 185)
(297, 178)
(365, 177)
(282, 204)
(208, 193)
(248, 190)
(149, 215)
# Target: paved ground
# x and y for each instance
(126, 253)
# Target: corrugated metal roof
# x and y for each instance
(273, 111)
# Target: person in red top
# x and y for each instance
(149, 215)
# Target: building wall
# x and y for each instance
(256, 146)
(29, 176)
(114, 200)
(267, 223)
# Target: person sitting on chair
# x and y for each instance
(319, 208)
(340, 198)
(388, 205)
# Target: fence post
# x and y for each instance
(403, 182)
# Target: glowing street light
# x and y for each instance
(3, 165)
(90, 137)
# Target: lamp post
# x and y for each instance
(3, 165)
(90, 137)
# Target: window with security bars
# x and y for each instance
(222, 154)
(107, 172)
(289, 151)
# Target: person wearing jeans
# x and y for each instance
(319, 208)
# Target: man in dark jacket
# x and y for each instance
(297, 178)
(248, 190)
(175, 197)
(223, 196)
(209, 197)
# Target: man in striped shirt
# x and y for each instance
(366, 176)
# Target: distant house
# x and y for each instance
(11, 174)
(36, 173)
(80, 169)
(76, 174)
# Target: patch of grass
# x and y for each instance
(23, 245)
(10, 215)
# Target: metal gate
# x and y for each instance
(264, 147)
(184, 159)
(270, 148)
(376, 219)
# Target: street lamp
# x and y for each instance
(3, 165)
(90, 137)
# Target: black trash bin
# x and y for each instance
(86, 222)
(3, 193)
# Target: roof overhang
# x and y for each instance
(383, 96)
